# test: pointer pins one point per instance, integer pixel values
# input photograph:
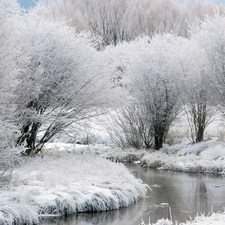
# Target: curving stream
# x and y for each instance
(174, 195)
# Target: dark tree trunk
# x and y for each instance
(160, 130)
(29, 135)
(164, 116)
(200, 121)
(200, 135)
(30, 129)
(24, 131)
(158, 142)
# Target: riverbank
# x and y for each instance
(66, 183)
(205, 157)
(183, 156)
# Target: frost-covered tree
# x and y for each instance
(155, 70)
(63, 81)
(210, 36)
(195, 90)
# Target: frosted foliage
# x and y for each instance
(210, 36)
(11, 45)
(65, 79)
(58, 58)
(11, 25)
(157, 65)
(76, 184)
(62, 58)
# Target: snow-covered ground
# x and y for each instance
(66, 183)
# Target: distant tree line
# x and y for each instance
(123, 20)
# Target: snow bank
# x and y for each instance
(205, 157)
(65, 184)
(214, 219)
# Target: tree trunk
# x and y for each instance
(200, 121)
(29, 136)
(200, 135)
(158, 142)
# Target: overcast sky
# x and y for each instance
(31, 3)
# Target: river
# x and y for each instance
(178, 196)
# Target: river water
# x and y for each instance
(177, 196)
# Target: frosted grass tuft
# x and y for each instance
(65, 184)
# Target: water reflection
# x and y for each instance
(201, 197)
(186, 195)
(115, 217)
